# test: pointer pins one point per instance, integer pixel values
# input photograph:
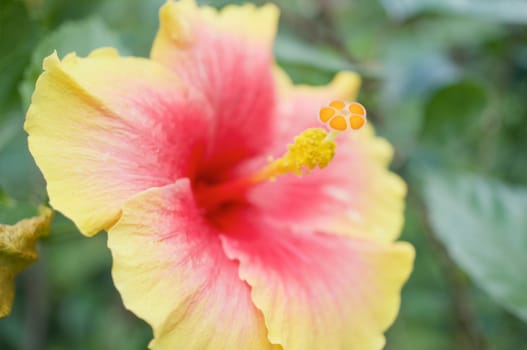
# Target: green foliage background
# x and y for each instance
(444, 81)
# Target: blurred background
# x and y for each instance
(444, 80)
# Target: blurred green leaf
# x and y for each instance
(136, 21)
(427, 289)
(73, 258)
(19, 176)
(415, 75)
(506, 11)
(54, 12)
(9, 125)
(484, 228)
(453, 109)
(453, 126)
(510, 127)
(84, 316)
(420, 58)
(18, 34)
(81, 37)
(293, 51)
(12, 211)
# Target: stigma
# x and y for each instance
(342, 116)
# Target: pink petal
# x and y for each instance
(171, 270)
(355, 195)
(228, 56)
(319, 291)
(104, 128)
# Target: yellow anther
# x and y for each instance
(338, 104)
(311, 149)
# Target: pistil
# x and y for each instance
(313, 148)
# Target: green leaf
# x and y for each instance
(506, 11)
(453, 125)
(81, 37)
(12, 211)
(54, 12)
(454, 108)
(9, 126)
(18, 34)
(137, 21)
(72, 258)
(293, 51)
(483, 224)
(19, 176)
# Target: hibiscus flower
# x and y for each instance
(217, 242)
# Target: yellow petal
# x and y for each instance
(104, 128)
(379, 200)
(182, 22)
(17, 251)
(171, 270)
(319, 291)
(345, 85)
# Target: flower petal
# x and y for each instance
(320, 291)
(104, 128)
(171, 270)
(356, 194)
(227, 54)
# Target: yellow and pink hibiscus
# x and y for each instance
(170, 156)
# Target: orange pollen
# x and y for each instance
(341, 116)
